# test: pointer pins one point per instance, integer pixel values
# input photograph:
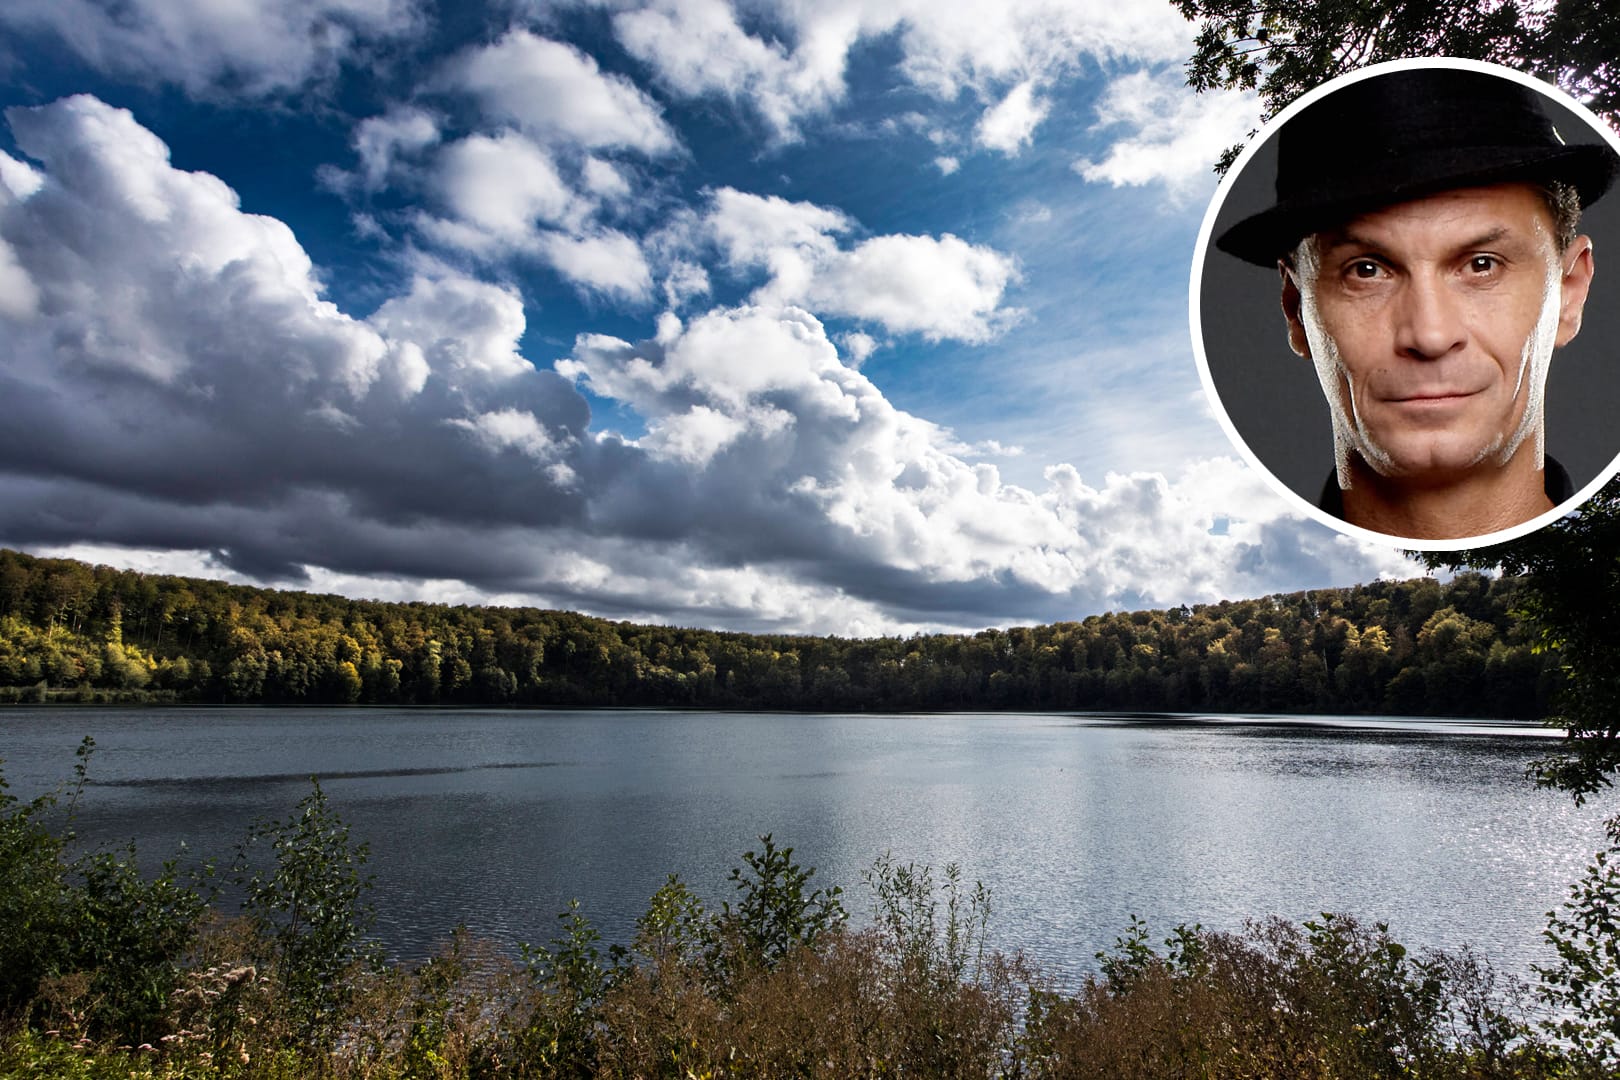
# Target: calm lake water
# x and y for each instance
(495, 819)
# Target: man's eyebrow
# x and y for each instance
(1332, 241)
(1489, 239)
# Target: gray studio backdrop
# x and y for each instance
(1275, 402)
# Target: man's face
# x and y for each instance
(1431, 324)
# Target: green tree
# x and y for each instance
(1583, 987)
(1283, 48)
(1571, 590)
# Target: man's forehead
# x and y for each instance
(1460, 217)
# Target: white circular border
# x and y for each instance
(1195, 303)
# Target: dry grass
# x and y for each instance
(915, 995)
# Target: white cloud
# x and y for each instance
(505, 196)
(19, 299)
(694, 436)
(760, 229)
(858, 346)
(380, 140)
(792, 66)
(510, 429)
(957, 43)
(787, 430)
(130, 209)
(558, 94)
(993, 448)
(697, 47)
(211, 48)
(938, 287)
(604, 180)
(1009, 125)
(947, 165)
(1031, 212)
(1175, 135)
(503, 186)
(20, 179)
(684, 281)
(464, 329)
(606, 261)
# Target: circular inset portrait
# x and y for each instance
(1406, 298)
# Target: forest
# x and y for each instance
(72, 632)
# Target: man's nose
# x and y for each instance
(1429, 321)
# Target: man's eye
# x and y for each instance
(1364, 269)
(1483, 264)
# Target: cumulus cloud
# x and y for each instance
(1009, 125)
(466, 331)
(19, 180)
(537, 174)
(603, 260)
(1173, 135)
(211, 49)
(556, 93)
(183, 352)
(503, 186)
(380, 140)
(183, 383)
(858, 346)
(504, 195)
(766, 229)
(937, 287)
(804, 456)
(698, 47)
(956, 44)
(791, 63)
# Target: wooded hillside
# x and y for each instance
(70, 631)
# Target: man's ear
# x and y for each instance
(1573, 286)
(1290, 306)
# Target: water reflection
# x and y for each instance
(496, 819)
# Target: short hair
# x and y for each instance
(1564, 203)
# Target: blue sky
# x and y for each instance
(842, 317)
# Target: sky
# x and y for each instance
(847, 317)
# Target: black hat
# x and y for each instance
(1405, 134)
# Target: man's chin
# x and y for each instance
(1430, 465)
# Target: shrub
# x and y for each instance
(309, 912)
(916, 994)
(34, 903)
(774, 914)
(559, 1028)
(1333, 998)
(90, 945)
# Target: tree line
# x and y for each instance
(71, 631)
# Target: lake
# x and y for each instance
(496, 818)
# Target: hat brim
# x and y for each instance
(1264, 238)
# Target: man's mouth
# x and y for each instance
(1436, 398)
